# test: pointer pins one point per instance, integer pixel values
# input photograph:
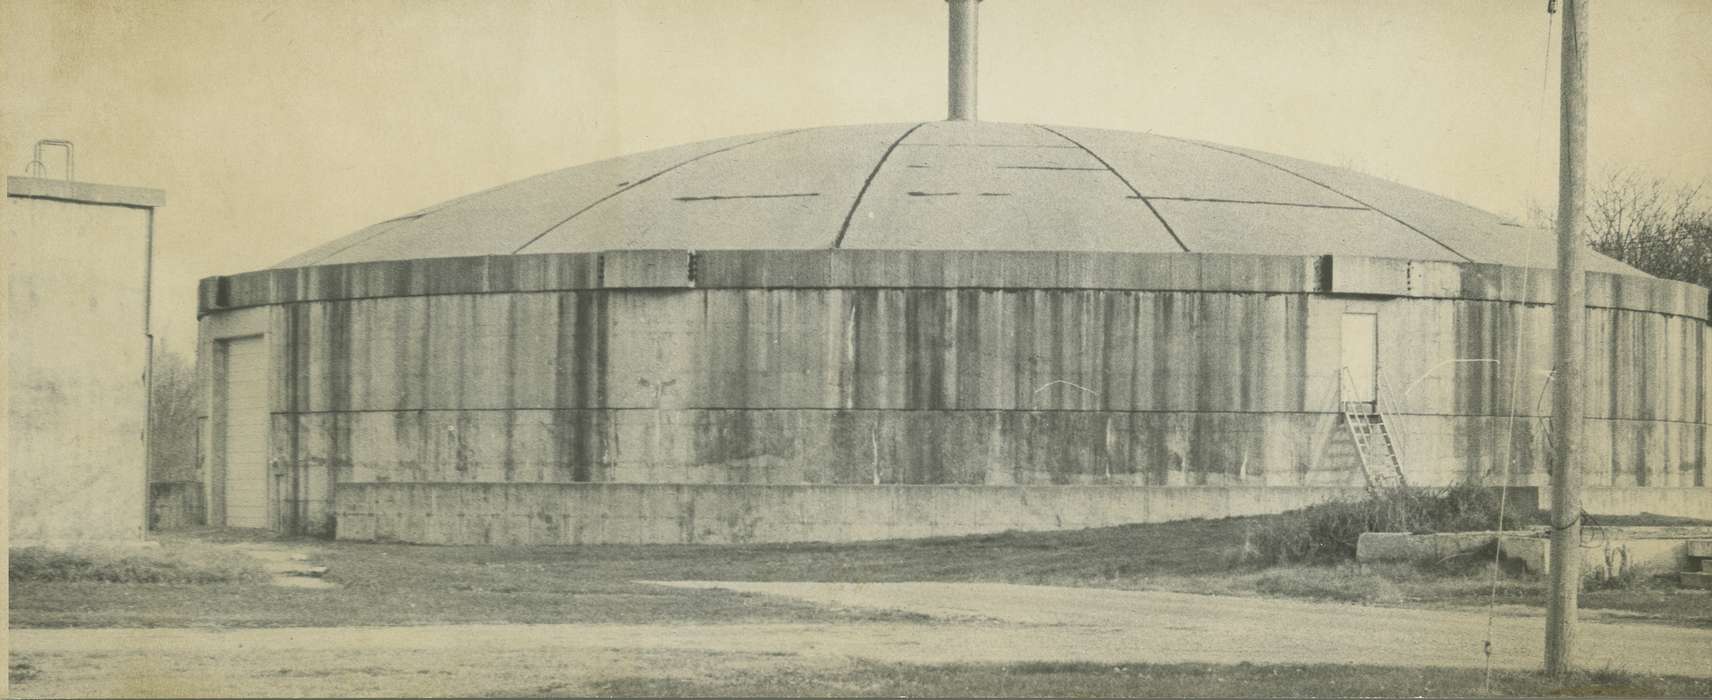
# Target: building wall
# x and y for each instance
(76, 359)
(562, 514)
(765, 368)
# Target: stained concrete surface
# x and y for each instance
(971, 623)
(948, 185)
(74, 358)
(561, 514)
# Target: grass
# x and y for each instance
(1146, 680)
(189, 564)
(1328, 532)
(1350, 584)
(395, 584)
(19, 670)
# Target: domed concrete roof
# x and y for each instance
(954, 186)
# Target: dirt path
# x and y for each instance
(1164, 626)
(980, 623)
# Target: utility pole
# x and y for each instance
(1568, 394)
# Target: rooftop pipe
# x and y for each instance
(962, 65)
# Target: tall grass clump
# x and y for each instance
(1327, 533)
(102, 565)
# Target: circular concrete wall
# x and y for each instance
(922, 367)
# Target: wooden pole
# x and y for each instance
(1568, 394)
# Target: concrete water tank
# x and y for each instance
(908, 329)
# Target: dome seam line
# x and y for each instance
(1328, 188)
(1114, 171)
(394, 222)
(643, 181)
(844, 228)
(1258, 202)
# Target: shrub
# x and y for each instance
(1625, 577)
(175, 565)
(1328, 532)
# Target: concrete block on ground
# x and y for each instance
(1531, 551)
(1402, 546)
(1609, 555)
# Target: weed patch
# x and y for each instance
(168, 565)
(1627, 578)
(19, 670)
(1327, 533)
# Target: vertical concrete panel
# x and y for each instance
(990, 379)
(830, 306)
(440, 364)
(408, 319)
(1325, 317)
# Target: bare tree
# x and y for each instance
(1660, 229)
(172, 438)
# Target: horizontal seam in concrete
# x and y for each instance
(844, 228)
(1049, 167)
(898, 484)
(1158, 411)
(1214, 200)
(1020, 288)
(1506, 416)
(1328, 188)
(638, 183)
(1332, 412)
(1126, 183)
(979, 288)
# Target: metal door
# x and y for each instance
(243, 417)
(1360, 356)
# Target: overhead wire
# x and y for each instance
(1545, 82)
(1515, 374)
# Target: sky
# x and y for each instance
(276, 126)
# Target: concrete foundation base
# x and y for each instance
(524, 513)
(1606, 552)
(1613, 551)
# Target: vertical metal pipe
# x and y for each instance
(148, 369)
(70, 159)
(1569, 394)
(962, 73)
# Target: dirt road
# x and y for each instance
(974, 623)
(1164, 626)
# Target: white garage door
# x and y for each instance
(244, 417)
